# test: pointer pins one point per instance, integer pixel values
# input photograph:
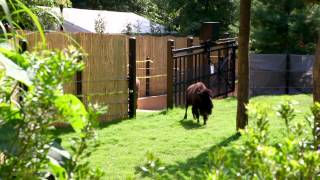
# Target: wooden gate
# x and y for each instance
(212, 63)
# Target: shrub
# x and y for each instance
(31, 98)
(294, 157)
(153, 167)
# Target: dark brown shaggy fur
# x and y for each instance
(199, 97)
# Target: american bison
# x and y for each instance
(199, 97)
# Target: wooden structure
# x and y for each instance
(104, 78)
(152, 62)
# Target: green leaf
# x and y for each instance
(35, 19)
(15, 57)
(9, 112)
(73, 111)
(144, 169)
(4, 6)
(14, 71)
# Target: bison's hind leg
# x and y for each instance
(185, 114)
(195, 113)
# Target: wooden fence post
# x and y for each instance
(61, 13)
(170, 47)
(79, 83)
(233, 67)
(189, 62)
(23, 47)
(209, 31)
(132, 78)
(148, 76)
(78, 78)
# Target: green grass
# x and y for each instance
(181, 145)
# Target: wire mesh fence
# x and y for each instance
(272, 74)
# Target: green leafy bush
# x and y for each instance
(295, 157)
(31, 99)
(153, 166)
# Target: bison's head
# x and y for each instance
(206, 103)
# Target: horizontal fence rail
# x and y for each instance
(152, 63)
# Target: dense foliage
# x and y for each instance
(47, 18)
(178, 15)
(284, 26)
(31, 100)
(137, 6)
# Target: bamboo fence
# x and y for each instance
(104, 78)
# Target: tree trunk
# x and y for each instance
(316, 89)
(316, 73)
(243, 63)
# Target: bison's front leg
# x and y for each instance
(205, 118)
(195, 113)
(185, 115)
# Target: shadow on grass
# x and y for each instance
(106, 124)
(230, 98)
(190, 124)
(194, 168)
(159, 113)
(164, 112)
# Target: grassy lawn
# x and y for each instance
(181, 145)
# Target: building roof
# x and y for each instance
(83, 20)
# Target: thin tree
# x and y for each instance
(316, 79)
(316, 73)
(316, 88)
(316, 83)
(243, 63)
(316, 64)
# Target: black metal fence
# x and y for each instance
(212, 63)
